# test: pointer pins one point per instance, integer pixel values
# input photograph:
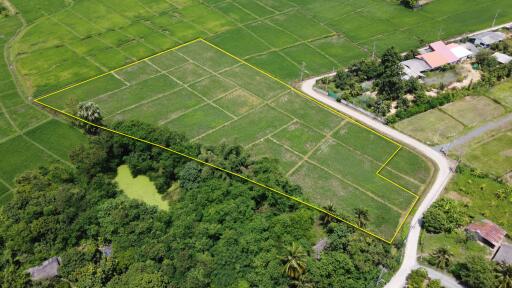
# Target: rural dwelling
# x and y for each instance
(48, 269)
(502, 58)
(486, 39)
(440, 54)
(487, 232)
(504, 254)
(413, 68)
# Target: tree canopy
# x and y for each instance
(220, 231)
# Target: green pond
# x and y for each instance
(140, 188)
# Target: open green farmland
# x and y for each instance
(432, 127)
(78, 39)
(28, 136)
(443, 124)
(219, 99)
(493, 154)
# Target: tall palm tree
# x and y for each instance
(504, 275)
(325, 218)
(441, 257)
(294, 261)
(362, 217)
(91, 113)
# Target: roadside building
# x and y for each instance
(502, 58)
(471, 47)
(504, 254)
(486, 39)
(47, 270)
(487, 232)
(413, 68)
(436, 55)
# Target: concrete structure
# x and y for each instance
(502, 58)
(47, 270)
(504, 254)
(487, 232)
(486, 39)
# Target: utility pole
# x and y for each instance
(302, 70)
(495, 16)
(439, 33)
(373, 51)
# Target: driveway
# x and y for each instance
(443, 175)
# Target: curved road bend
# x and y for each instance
(411, 245)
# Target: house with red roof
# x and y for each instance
(436, 55)
(441, 54)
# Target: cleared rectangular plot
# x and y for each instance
(162, 108)
(473, 110)
(249, 128)
(411, 165)
(360, 171)
(299, 137)
(432, 127)
(238, 102)
(307, 111)
(137, 72)
(255, 82)
(494, 155)
(273, 36)
(270, 149)
(136, 93)
(19, 155)
(212, 87)
(86, 91)
(207, 56)
(199, 121)
(168, 60)
(25, 116)
(6, 128)
(50, 135)
(358, 137)
(324, 188)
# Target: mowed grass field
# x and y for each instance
(214, 98)
(67, 41)
(443, 124)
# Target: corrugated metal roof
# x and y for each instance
(489, 231)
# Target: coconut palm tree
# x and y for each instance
(294, 261)
(325, 218)
(504, 275)
(441, 258)
(91, 113)
(362, 217)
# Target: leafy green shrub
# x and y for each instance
(445, 215)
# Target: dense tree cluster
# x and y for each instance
(220, 231)
(386, 74)
(445, 215)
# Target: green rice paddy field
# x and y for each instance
(214, 98)
(53, 43)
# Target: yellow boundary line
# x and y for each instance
(38, 101)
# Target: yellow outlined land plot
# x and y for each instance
(213, 96)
